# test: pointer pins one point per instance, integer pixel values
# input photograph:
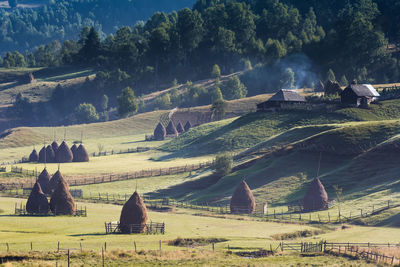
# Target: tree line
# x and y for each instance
(271, 40)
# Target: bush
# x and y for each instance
(127, 102)
(86, 113)
(223, 164)
(233, 89)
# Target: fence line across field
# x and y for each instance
(98, 179)
(270, 214)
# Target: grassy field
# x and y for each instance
(241, 234)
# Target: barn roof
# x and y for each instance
(286, 95)
(363, 90)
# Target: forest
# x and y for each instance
(24, 28)
(270, 39)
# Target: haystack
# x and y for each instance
(133, 212)
(316, 197)
(62, 202)
(188, 125)
(54, 145)
(34, 157)
(171, 130)
(42, 155)
(179, 128)
(73, 150)
(44, 180)
(242, 200)
(50, 155)
(81, 154)
(55, 180)
(160, 132)
(37, 201)
(332, 88)
(64, 154)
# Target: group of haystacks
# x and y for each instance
(60, 154)
(243, 201)
(61, 201)
(160, 132)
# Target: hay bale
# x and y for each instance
(133, 212)
(54, 145)
(332, 88)
(64, 154)
(37, 201)
(242, 200)
(188, 125)
(50, 155)
(55, 180)
(316, 197)
(179, 128)
(171, 130)
(160, 132)
(73, 150)
(33, 157)
(42, 155)
(62, 202)
(81, 154)
(44, 180)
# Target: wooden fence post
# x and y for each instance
(68, 259)
(105, 246)
(134, 243)
(58, 246)
(160, 246)
(8, 247)
(102, 255)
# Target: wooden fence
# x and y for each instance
(16, 169)
(363, 251)
(108, 178)
(150, 228)
(21, 211)
(127, 151)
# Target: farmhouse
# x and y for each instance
(359, 95)
(281, 98)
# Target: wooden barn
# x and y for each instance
(281, 98)
(359, 95)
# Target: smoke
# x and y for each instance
(303, 68)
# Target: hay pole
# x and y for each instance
(68, 259)
(134, 243)
(102, 255)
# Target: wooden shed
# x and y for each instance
(359, 95)
(281, 98)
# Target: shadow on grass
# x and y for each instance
(89, 234)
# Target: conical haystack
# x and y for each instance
(37, 201)
(160, 132)
(34, 157)
(44, 180)
(73, 150)
(62, 202)
(188, 125)
(316, 197)
(242, 200)
(171, 130)
(54, 145)
(179, 128)
(42, 155)
(81, 154)
(64, 154)
(50, 155)
(134, 212)
(55, 180)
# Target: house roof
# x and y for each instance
(364, 90)
(286, 95)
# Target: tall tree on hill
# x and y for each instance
(190, 31)
(158, 47)
(91, 47)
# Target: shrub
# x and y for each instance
(86, 113)
(127, 102)
(234, 89)
(223, 164)
(216, 71)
